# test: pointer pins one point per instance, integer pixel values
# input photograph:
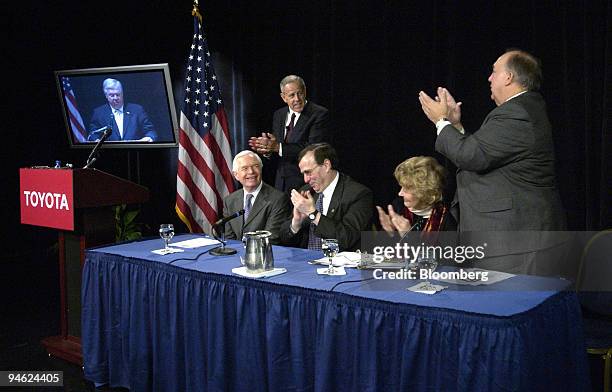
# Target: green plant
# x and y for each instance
(126, 229)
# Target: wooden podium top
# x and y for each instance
(95, 188)
(49, 197)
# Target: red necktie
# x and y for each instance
(289, 127)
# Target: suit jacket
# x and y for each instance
(136, 123)
(311, 127)
(270, 210)
(350, 213)
(506, 177)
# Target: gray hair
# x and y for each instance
(292, 79)
(109, 84)
(242, 154)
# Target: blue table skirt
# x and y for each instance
(150, 326)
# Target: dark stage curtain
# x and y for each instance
(365, 61)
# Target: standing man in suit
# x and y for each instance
(331, 205)
(506, 177)
(506, 187)
(128, 121)
(265, 207)
(294, 127)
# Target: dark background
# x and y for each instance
(365, 61)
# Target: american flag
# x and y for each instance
(76, 121)
(204, 176)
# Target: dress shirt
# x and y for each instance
(287, 121)
(118, 114)
(328, 192)
(254, 193)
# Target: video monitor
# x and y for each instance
(136, 102)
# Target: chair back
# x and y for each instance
(594, 279)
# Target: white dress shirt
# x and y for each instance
(254, 193)
(118, 114)
(287, 122)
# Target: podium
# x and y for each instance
(79, 204)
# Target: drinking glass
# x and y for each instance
(428, 263)
(330, 249)
(166, 232)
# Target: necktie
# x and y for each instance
(247, 205)
(118, 115)
(290, 127)
(314, 242)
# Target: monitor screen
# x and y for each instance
(136, 102)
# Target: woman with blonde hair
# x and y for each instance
(420, 208)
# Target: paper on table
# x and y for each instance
(481, 277)
(167, 251)
(426, 288)
(196, 243)
(342, 259)
(242, 271)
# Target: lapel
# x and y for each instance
(260, 202)
(113, 124)
(334, 204)
(298, 127)
(281, 124)
(237, 203)
(127, 120)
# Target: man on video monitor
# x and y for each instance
(128, 121)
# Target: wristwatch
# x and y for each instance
(313, 215)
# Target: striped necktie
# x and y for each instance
(314, 242)
(248, 203)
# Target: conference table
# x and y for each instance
(185, 322)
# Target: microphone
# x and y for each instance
(409, 230)
(95, 133)
(222, 250)
(91, 159)
(228, 218)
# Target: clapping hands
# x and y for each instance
(392, 221)
(303, 204)
(264, 144)
(442, 106)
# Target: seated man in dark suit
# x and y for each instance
(129, 121)
(331, 205)
(265, 208)
(294, 126)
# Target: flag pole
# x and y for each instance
(196, 11)
(204, 175)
